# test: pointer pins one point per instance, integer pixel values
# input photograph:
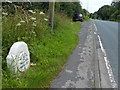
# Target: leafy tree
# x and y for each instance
(107, 12)
(69, 8)
(104, 12)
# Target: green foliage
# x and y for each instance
(108, 12)
(51, 52)
(104, 12)
(27, 31)
(44, 6)
(48, 49)
(69, 8)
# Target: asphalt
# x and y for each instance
(87, 66)
(80, 70)
(108, 32)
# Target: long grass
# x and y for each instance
(49, 49)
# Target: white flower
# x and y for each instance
(35, 21)
(31, 11)
(22, 21)
(18, 24)
(34, 24)
(32, 18)
(32, 64)
(33, 32)
(4, 13)
(42, 13)
(45, 19)
(28, 1)
(9, 1)
(34, 12)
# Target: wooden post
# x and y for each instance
(51, 14)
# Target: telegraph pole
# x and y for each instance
(87, 7)
(51, 14)
(87, 4)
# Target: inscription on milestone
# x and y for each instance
(23, 62)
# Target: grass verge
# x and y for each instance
(50, 53)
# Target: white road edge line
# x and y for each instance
(95, 27)
(108, 66)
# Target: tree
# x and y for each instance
(69, 8)
(104, 12)
(107, 12)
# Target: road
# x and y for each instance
(79, 70)
(87, 66)
(108, 32)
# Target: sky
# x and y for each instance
(94, 5)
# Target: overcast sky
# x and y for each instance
(94, 5)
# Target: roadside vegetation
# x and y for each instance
(0, 48)
(49, 49)
(108, 12)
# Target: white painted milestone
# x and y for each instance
(18, 59)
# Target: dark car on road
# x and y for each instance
(77, 17)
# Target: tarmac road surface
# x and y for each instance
(108, 32)
(87, 66)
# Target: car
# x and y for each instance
(77, 17)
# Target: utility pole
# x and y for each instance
(51, 14)
(87, 7)
(87, 4)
